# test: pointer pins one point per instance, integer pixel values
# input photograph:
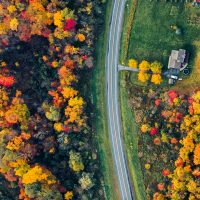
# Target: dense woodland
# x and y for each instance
(47, 146)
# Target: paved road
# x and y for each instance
(125, 68)
(114, 120)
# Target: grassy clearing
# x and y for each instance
(100, 121)
(191, 83)
(152, 37)
(130, 137)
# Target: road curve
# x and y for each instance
(114, 120)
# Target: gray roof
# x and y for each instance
(181, 55)
(176, 58)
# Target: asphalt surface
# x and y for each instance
(114, 117)
(120, 68)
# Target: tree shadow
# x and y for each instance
(33, 76)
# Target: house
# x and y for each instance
(178, 61)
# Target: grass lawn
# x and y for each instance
(100, 121)
(130, 136)
(152, 37)
(192, 82)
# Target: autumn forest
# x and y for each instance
(47, 151)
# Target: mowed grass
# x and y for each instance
(100, 117)
(192, 82)
(152, 37)
(130, 137)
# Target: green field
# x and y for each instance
(152, 37)
(100, 118)
(191, 83)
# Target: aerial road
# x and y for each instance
(114, 117)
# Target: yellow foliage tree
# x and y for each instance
(156, 79)
(58, 127)
(14, 24)
(133, 63)
(22, 169)
(11, 8)
(196, 103)
(80, 37)
(144, 66)
(186, 173)
(58, 19)
(145, 128)
(35, 174)
(158, 196)
(74, 110)
(14, 144)
(69, 195)
(69, 92)
(196, 96)
(197, 154)
(143, 77)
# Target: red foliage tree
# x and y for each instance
(153, 131)
(7, 81)
(69, 25)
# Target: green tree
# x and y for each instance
(75, 161)
(32, 190)
(47, 194)
(156, 67)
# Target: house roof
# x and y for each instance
(176, 58)
(173, 63)
(181, 55)
(174, 54)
